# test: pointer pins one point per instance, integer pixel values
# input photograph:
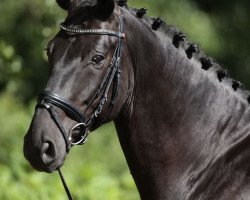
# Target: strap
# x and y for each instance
(53, 116)
(66, 188)
(111, 76)
(56, 100)
(115, 75)
(91, 31)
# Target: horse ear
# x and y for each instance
(64, 4)
(122, 3)
(106, 7)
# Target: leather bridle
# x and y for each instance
(48, 99)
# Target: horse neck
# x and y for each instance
(180, 119)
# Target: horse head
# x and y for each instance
(83, 90)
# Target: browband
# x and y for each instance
(91, 31)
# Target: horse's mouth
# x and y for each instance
(48, 168)
(38, 164)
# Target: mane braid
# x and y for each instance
(192, 51)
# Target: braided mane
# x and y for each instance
(192, 50)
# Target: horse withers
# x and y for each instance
(181, 120)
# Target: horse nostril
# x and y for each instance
(48, 153)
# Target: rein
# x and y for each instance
(48, 100)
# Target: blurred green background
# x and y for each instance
(96, 171)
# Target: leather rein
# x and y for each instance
(48, 99)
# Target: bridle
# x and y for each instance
(48, 99)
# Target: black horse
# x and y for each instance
(183, 123)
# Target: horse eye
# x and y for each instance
(97, 59)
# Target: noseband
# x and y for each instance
(49, 100)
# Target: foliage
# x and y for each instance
(98, 170)
(26, 27)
